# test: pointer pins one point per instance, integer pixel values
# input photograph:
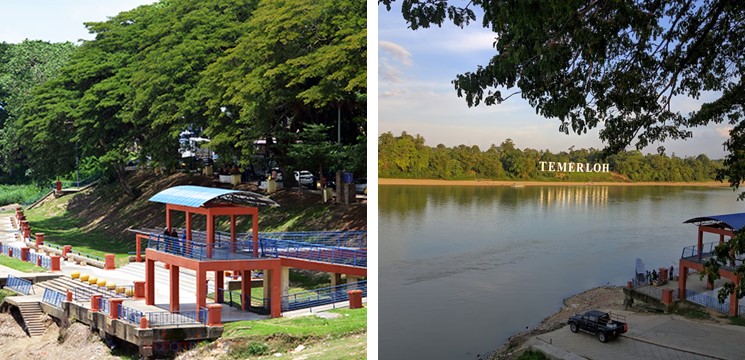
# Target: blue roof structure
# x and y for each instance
(197, 196)
(731, 221)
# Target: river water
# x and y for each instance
(462, 268)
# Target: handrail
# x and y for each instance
(691, 251)
(294, 249)
(53, 297)
(324, 296)
(129, 314)
(19, 285)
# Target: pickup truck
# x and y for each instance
(606, 326)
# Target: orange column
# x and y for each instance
(232, 233)
(214, 315)
(210, 233)
(114, 304)
(733, 304)
(149, 282)
(109, 264)
(55, 263)
(168, 216)
(682, 281)
(201, 288)
(276, 291)
(139, 289)
(174, 295)
(355, 299)
(94, 302)
(219, 284)
(700, 242)
(138, 248)
(24, 253)
(39, 239)
(66, 250)
(246, 289)
(255, 232)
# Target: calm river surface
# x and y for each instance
(463, 268)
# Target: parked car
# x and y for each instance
(305, 178)
(605, 325)
(360, 185)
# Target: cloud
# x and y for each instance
(396, 51)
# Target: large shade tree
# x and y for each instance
(617, 65)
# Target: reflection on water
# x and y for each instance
(578, 196)
(463, 268)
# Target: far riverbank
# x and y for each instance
(436, 182)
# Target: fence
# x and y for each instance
(325, 296)
(692, 251)
(104, 305)
(19, 285)
(46, 261)
(707, 301)
(129, 314)
(162, 318)
(294, 249)
(53, 297)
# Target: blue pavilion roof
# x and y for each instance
(730, 221)
(197, 196)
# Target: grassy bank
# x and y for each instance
(340, 337)
(19, 265)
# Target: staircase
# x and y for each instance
(33, 317)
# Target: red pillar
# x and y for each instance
(682, 281)
(667, 296)
(114, 304)
(94, 302)
(69, 296)
(246, 289)
(733, 304)
(109, 265)
(201, 289)
(149, 282)
(210, 233)
(276, 291)
(55, 263)
(214, 315)
(66, 250)
(219, 284)
(255, 232)
(38, 261)
(24, 253)
(232, 233)
(700, 242)
(138, 256)
(39, 239)
(139, 289)
(58, 186)
(174, 295)
(355, 298)
(168, 216)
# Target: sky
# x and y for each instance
(415, 70)
(56, 20)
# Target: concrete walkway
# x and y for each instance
(650, 337)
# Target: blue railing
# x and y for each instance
(46, 261)
(325, 296)
(17, 253)
(83, 293)
(129, 314)
(161, 318)
(53, 297)
(707, 301)
(19, 285)
(691, 251)
(349, 239)
(104, 305)
(294, 249)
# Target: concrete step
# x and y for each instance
(33, 318)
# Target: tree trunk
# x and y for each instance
(122, 178)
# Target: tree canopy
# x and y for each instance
(617, 65)
(237, 70)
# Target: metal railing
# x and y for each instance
(19, 285)
(46, 261)
(128, 314)
(707, 301)
(104, 305)
(692, 251)
(349, 239)
(162, 318)
(325, 296)
(294, 249)
(83, 293)
(53, 297)
(17, 253)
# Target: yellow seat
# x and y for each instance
(84, 277)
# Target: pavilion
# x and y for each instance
(693, 257)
